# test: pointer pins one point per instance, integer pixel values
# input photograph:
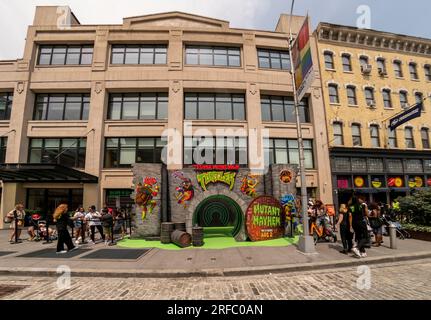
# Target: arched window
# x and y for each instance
(375, 136)
(427, 70)
(338, 133)
(387, 101)
(392, 139)
(369, 97)
(425, 138)
(398, 69)
(381, 66)
(403, 99)
(413, 71)
(347, 62)
(333, 93)
(409, 139)
(356, 135)
(351, 96)
(329, 60)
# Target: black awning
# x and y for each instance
(39, 173)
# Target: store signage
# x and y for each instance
(205, 178)
(395, 182)
(412, 113)
(376, 183)
(359, 182)
(416, 182)
(119, 193)
(265, 219)
(342, 183)
(216, 167)
(429, 182)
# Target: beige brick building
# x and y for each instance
(97, 98)
(368, 77)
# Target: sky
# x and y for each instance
(397, 16)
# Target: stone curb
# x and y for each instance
(227, 272)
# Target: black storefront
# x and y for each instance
(45, 200)
(378, 175)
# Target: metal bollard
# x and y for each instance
(393, 235)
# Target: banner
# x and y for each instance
(406, 116)
(302, 61)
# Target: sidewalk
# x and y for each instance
(199, 262)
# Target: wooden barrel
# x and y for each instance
(166, 230)
(198, 236)
(180, 226)
(181, 239)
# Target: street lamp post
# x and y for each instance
(306, 243)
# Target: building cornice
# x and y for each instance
(378, 40)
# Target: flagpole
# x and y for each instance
(306, 243)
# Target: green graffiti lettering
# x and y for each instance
(204, 179)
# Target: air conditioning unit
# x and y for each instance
(366, 69)
(371, 104)
(382, 72)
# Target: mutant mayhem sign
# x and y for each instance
(265, 219)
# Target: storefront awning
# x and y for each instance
(40, 173)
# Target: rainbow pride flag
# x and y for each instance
(303, 61)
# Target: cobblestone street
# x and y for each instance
(401, 281)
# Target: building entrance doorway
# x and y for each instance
(219, 215)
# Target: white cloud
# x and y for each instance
(17, 15)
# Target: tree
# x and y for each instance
(417, 207)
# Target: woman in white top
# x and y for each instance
(93, 218)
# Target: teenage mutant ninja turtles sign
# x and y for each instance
(265, 219)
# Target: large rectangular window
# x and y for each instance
(139, 54)
(392, 139)
(215, 150)
(275, 108)
(65, 55)
(286, 151)
(123, 152)
(214, 106)
(62, 107)
(138, 106)
(3, 148)
(6, 99)
(273, 59)
(213, 56)
(69, 152)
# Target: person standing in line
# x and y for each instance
(16, 220)
(93, 218)
(62, 221)
(376, 223)
(359, 211)
(344, 225)
(79, 220)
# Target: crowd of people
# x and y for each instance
(355, 221)
(84, 225)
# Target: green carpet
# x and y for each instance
(215, 238)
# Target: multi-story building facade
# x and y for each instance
(368, 77)
(85, 103)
